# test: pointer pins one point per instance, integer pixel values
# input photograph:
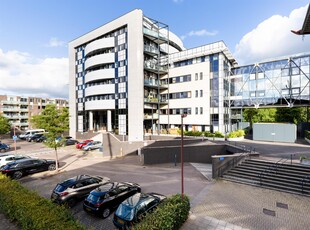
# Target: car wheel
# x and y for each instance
(71, 202)
(106, 213)
(17, 175)
(52, 167)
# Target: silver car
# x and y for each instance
(92, 145)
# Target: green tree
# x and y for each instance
(4, 125)
(291, 115)
(55, 122)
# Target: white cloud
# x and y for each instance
(22, 75)
(199, 33)
(55, 42)
(273, 38)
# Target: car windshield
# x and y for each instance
(125, 212)
(60, 188)
(93, 198)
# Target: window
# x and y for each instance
(196, 93)
(201, 110)
(196, 110)
(196, 76)
(201, 93)
(201, 76)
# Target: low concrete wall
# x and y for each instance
(172, 154)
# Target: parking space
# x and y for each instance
(164, 179)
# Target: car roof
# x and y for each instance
(138, 198)
(73, 180)
(106, 187)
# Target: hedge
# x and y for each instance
(169, 215)
(307, 134)
(32, 211)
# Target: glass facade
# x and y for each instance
(283, 82)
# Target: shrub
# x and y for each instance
(193, 133)
(218, 134)
(208, 134)
(171, 214)
(237, 133)
(32, 211)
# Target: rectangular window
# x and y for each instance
(201, 110)
(201, 93)
(201, 76)
(196, 93)
(196, 110)
(196, 76)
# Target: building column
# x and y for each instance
(109, 121)
(91, 121)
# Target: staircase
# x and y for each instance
(292, 178)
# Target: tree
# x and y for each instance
(4, 125)
(55, 122)
(291, 115)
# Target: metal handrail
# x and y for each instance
(304, 180)
(243, 155)
(271, 169)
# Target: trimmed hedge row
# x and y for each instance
(169, 215)
(32, 211)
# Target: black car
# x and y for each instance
(70, 142)
(132, 210)
(4, 147)
(41, 139)
(107, 197)
(19, 168)
(34, 137)
(71, 190)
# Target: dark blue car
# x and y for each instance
(4, 147)
(102, 200)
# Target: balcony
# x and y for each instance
(23, 102)
(100, 104)
(150, 50)
(154, 84)
(99, 75)
(99, 44)
(100, 89)
(155, 36)
(23, 110)
(155, 100)
(11, 109)
(155, 68)
(10, 102)
(152, 116)
(100, 59)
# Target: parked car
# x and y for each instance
(82, 143)
(33, 137)
(71, 190)
(132, 210)
(19, 168)
(102, 200)
(41, 139)
(71, 142)
(9, 158)
(92, 145)
(4, 147)
(23, 136)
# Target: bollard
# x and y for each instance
(175, 159)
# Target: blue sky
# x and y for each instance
(34, 33)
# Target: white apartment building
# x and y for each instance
(133, 76)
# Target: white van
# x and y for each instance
(30, 132)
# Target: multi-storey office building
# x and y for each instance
(19, 110)
(117, 74)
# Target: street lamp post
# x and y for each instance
(182, 151)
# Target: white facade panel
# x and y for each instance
(100, 44)
(99, 74)
(100, 104)
(100, 89)
(99, 59)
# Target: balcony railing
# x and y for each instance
(151, 49)
(155, 100)
(150, 116)
(155, 67)
(155, 34)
